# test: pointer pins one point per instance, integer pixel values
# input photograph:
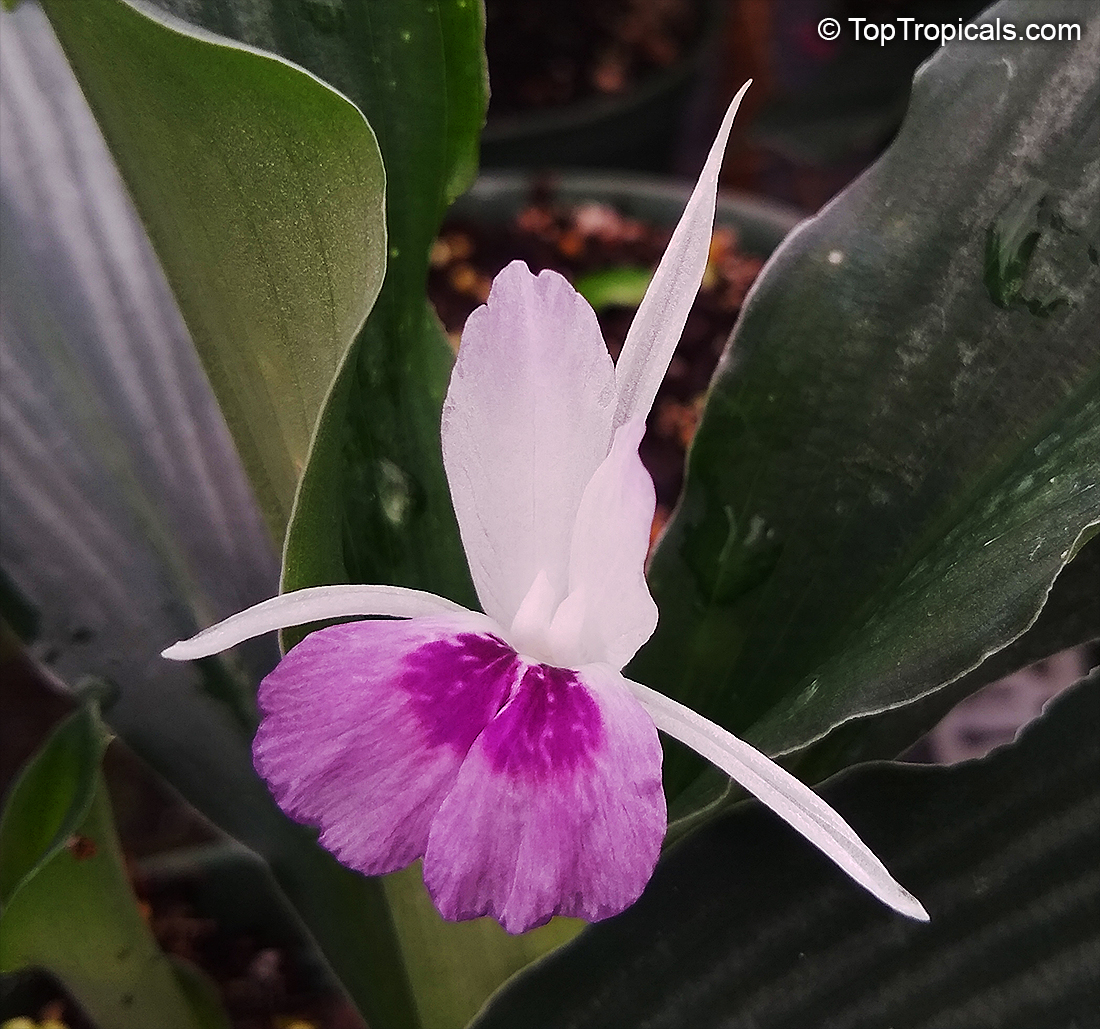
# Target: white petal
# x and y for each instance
(313, 605)
(663, 311)
(792, 800)
(607, 558)
(526, 422)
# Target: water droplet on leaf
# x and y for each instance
(395, 493)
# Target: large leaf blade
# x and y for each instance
(1070, 617)
(899, 454)
(375, 505)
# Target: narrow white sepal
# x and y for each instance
(313, 605)
(657, 326)
(792, 800)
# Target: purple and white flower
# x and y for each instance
(505, 748)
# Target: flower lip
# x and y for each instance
(557, 808)
(530, 790)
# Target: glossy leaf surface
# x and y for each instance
(897, 457)
(1069, 618)
(1001, 851)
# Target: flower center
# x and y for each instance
(550, 727)
(536, 720)
(530, 629)
(548, 629)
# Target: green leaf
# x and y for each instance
(50, 800)
(263, 193)
(375, 505)
(128, 521)
(1070, 616)
(895, 462)
(615, 286)
(67, 902)
(1001, 851)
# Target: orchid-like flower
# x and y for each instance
(505, 747)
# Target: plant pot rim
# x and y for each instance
(764, 222)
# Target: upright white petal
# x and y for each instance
(663, 311)
(316, 604)
(607, 559)
(792, 800)
(526, 422)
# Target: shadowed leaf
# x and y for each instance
(898, 454)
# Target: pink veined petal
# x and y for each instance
(316, 604)
(558, 808)
(660, 319)
(526, 422)
(792, 800)
(607, 559)
(365, 726)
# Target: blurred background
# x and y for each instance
(642, 84)
(601, 111)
